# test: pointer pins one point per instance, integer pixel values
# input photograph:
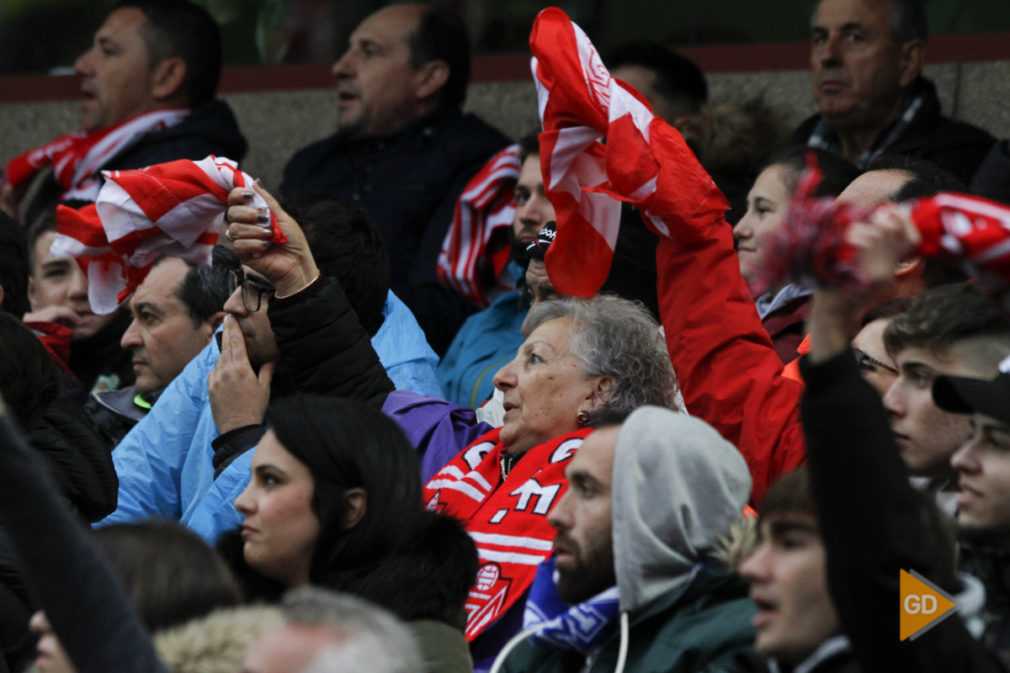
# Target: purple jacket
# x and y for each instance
(437, 429)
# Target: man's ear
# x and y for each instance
(167, 77)
(908, 266)
(357, 505)
(430, 78)
(913, 58)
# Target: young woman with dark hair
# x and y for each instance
(335, 501)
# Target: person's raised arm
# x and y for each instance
(869, 516)
(322, 346)
(881, 244)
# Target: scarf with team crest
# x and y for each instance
(505, 514)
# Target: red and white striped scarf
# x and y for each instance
(644, 161)
(507, 518)
(486, 205)
(77, 157)
(175, 208)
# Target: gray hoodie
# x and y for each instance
(677, 487)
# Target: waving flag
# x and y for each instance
(175, 208)
(486, 206)
(643, 160)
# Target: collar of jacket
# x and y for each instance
(122, 402)
(992, 567)
(705, 584)
(831, 649)
(423, 130)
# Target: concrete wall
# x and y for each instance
(278, 123)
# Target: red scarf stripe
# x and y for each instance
(161, 195)
(81, 225)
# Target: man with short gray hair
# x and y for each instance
(866, 61)
(327, 632)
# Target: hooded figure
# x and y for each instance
(669, 487)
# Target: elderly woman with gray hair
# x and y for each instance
(579, 356)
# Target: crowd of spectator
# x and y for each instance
(711, 391)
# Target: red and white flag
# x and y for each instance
(486, 206)
(968, 229)
(642, 160)
(175, 208)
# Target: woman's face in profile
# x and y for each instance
(545, 386)
(766, 211)
(280, 526)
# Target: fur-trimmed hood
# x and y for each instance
(217, 643)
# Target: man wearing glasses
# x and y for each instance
(245, 306)
(335, 330)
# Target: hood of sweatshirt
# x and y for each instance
(677, 488)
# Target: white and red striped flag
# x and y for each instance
(486, 205)
(970, 230)
(643, 160)
(175, 208)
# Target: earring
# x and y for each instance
(582, 418)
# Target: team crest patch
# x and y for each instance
(486, 598)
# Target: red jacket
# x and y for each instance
(729, 373)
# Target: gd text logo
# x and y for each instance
(923, 605)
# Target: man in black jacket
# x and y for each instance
(866, 61)
(149, 82)
(403, 150)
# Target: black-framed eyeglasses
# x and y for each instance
(253, 289)
(870, 363)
